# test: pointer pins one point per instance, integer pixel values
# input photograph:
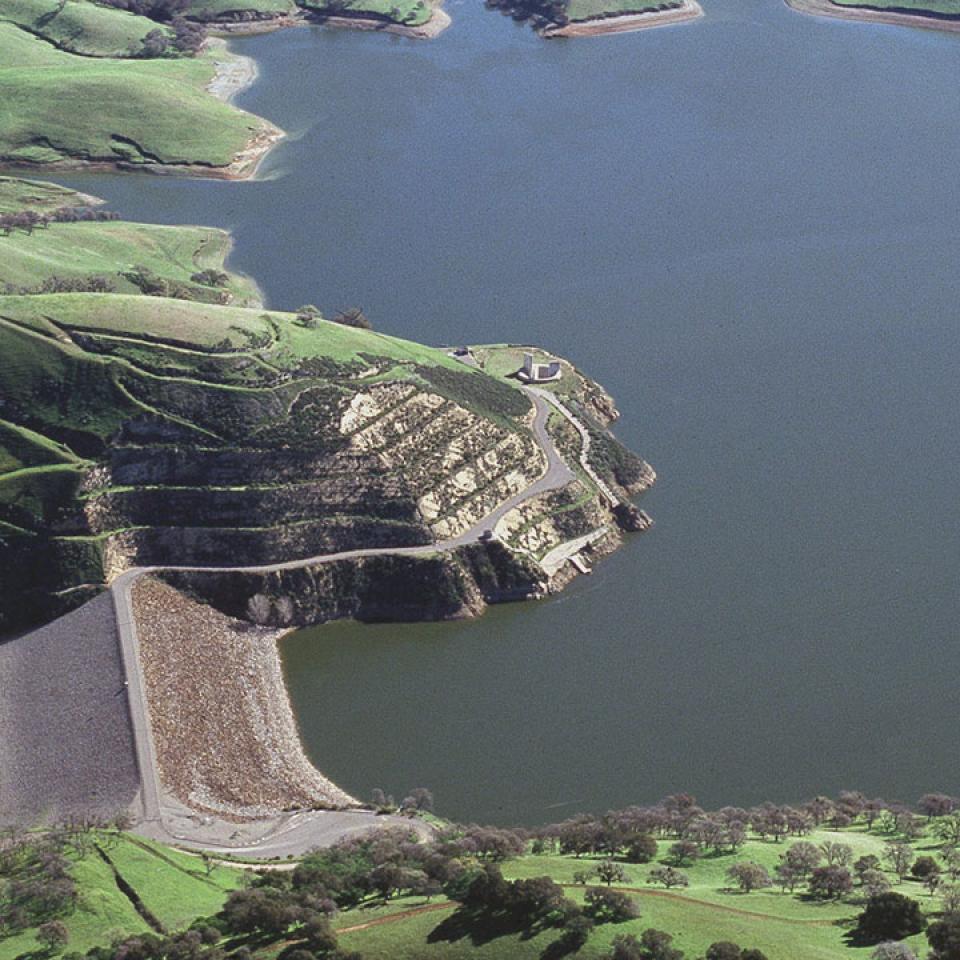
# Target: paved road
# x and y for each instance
(292, 834)
(545, 395)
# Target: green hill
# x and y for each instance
(57, 107)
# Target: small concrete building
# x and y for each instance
(533, 372)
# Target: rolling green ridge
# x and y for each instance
(57, 106)
(17, 195)
(578, 10)
(80, 26)
(119, 252)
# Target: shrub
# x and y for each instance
(610, 906)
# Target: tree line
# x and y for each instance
(30, 220)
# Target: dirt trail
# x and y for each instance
(402, 915)
(680, 898)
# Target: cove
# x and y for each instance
(746, 229)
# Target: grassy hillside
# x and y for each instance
(17, 194)
(80, 26)
(57, 106)
(130, 257)
(212, 10)
(578, 10)
(174, 888)
(410, 13)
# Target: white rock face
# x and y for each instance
(461, 464)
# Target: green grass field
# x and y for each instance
(113, 249)
(80, 26)
(56, 106)
(212, 9)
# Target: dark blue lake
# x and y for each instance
(745, 228)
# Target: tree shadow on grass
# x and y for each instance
(481, 927)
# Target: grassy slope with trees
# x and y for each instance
(81, 27)
(543, 14)
(823, 881)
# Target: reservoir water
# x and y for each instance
(747, 229)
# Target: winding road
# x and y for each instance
(290, 834)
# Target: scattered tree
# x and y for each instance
(944, 938)
(53, 936)
(420, 798)
(609, 871)
(668, 876)
(830, 883)
(892, 950)
(749, 876)
(898, 856)
(890, 916)
(610, 906)
(837, 854)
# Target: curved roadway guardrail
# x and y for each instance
(556, 475)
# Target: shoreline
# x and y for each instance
(625, 23)
(438, 22)
(824, 8)
(233, 72)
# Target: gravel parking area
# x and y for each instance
(65, 741)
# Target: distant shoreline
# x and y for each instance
(233, 73)
(438, 22)
(926, 21)
(625, 23)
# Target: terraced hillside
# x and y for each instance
(183, 428)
